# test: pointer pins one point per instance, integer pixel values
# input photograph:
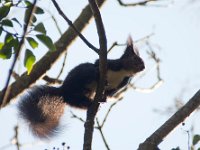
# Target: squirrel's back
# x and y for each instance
(42, 108)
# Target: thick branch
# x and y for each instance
(156, 138)
(91, 113)
(47, 61)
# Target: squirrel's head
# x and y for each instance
(131, 58)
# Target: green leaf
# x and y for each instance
(15, 20)
(40, 28)
(39, 11)
(1, 45)
(175, 148)
(10, 44)
(8, 38)
(7, 22)
(34, 19)
(46, 41)
(5, 51)
(28, 3)
(15, 44)
(33, 43)
(4, 10)
(196, 139)
(29, 60)
(1, 29)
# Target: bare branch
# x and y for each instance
(92, 110)
(142, 3)
(76, 117)
(160, 81)
(15, 75)
(6, 91)
(55, 21)
(50, 80)
(60, 32)
(15, 139)
(73, 27)
(149, 89)
(113, 45)
(63, 65)
(137, 41)
(99, 127)
(145, 38)
(157, 137)
(108, 112)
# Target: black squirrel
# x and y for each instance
(43, 106)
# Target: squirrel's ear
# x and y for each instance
(131, 43)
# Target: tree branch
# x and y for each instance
(50, 80)
(92, 110)
(157, 137)
(142, 3)
(50, 57)
(73, 27)
(99, 127)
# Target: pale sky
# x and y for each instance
(177, 33)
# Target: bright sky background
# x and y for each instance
(177, 33)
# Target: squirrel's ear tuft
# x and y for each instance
(130, 41)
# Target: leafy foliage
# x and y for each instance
(46, 41)
(196, 139)
(176, 148)
(33, 43)
(29, 60)
(11, 31)
(4, 10)
(40, 28)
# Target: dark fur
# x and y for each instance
(74, 88)
(43, 106)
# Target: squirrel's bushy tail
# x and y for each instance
(42, 108)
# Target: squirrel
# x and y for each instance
(42, 106)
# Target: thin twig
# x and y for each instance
(60, 32)
(149, 89)
(76, 117)
(108, 112)
(113, 45)
(142, 3)
(16, 138)
(137, 41)
(145, 38)
(55, 21)
(25, 28)
(63, 65)
(160, 81)
(50, 80)
(99, 127)
(73, 27)
(15, 75)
